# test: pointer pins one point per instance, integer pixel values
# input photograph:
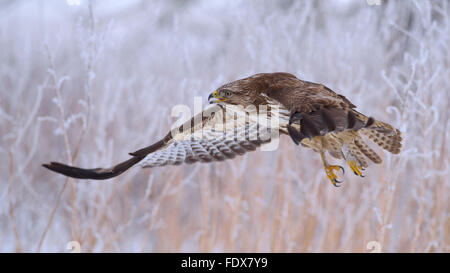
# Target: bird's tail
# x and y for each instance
(383, 134)
(356, 149)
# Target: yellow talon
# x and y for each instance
(356, 168)
(332, 176)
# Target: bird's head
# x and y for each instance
(236, 93)
(249, 90)
(220, 95)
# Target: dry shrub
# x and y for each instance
(87, 84)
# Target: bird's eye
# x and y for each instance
(225, 93)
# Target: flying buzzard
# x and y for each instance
(241, 119)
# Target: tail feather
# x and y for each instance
(367, 151)
(357, 154)
(385, 136)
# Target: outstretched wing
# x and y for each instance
(220, 132)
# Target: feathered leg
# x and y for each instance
(329, 170)
(354, 158)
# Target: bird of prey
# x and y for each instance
(310, 113)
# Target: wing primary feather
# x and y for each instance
(351, 120)
(104, 173)
(329, 121)
(294, 134)
(308, 128)
(150, 149)
(369, 122)
(97, 173)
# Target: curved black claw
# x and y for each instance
(332, 176)
(356, 168)
(336, 183)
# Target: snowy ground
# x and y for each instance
(88, 85)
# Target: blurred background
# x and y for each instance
(85, 82)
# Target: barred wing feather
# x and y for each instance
(220, 132)
(224, 133)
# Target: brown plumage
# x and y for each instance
(310, 113)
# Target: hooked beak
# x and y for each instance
(215, 98)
